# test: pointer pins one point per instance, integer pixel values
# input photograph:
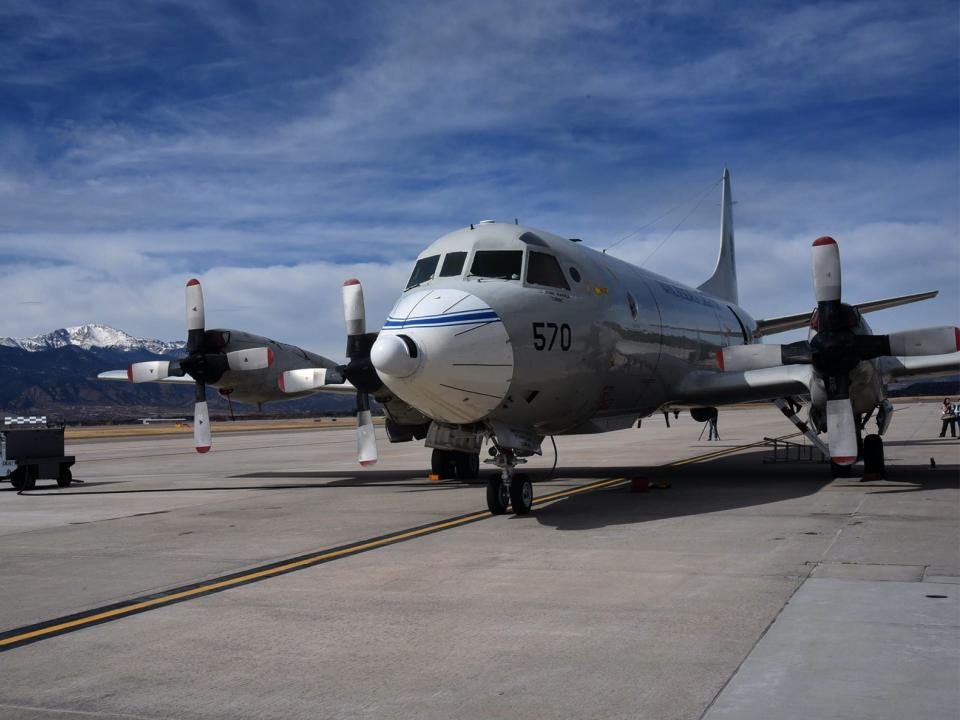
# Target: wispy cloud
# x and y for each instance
(292, 146)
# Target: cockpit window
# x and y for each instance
(503, 264)
(452, 264)
(543, 269)
(423, 271)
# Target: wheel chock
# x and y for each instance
(433, 477)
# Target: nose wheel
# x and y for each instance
(509, 489)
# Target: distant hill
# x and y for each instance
(56, 375)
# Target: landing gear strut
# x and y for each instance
(509, 488)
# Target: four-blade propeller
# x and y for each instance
(359, 371)
(205, 363)
(836, 349)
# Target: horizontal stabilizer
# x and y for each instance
(801, 320)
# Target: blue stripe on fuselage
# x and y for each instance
(471, 317)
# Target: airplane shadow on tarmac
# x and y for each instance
(725, 484)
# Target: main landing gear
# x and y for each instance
(509, 489)
(447, 464)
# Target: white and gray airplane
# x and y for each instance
(509, 334)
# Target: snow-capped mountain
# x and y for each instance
(91, 336)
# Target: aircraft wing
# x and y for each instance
(724, 388)
(894, 368)
(800, 320)
(121, 376)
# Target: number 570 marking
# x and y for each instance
(546, 340)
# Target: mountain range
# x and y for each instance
(56, 375)
(92, 336)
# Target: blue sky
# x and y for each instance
(275, 149)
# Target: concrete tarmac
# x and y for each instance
(745, 590)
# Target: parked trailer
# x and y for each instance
(28, 454)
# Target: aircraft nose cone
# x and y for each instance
(447, 353)
(395, 355)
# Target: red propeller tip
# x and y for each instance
(720, 358)
(280, 382)
(130, 373)
(844, 459)
(956, 332)
(351, 281)
(368, 463)
(269, 357)
(203, 448)
(825, 240)
(192, 281)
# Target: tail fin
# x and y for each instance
(723, 283)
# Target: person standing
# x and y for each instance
(712, 424)
(948, 414)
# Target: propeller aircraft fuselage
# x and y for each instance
(509, 334)
(538, 332)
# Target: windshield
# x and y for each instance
(503, 264)
(453, 264)
(423, 271)
(543, 269)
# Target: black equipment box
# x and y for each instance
(31, 453)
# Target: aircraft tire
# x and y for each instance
(873, 454)
(467, 465)
(521, 494)
(498, 496)
(443, 464)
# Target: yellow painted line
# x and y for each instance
(166, 599)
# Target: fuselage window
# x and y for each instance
(453, 264)
(575, 274)
(503, 264)
(543, 269)
(423, 271)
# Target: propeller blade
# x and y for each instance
(195, 316)
(740, 358)
(826, 270)
(251, 359)
(201, 420)
(841, 431)
(149, 371)
(366, 435)
(201, 427)
(925, 341)
(294, 381)
(354, 314)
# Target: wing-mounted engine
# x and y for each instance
(205, 363)
(839, 342)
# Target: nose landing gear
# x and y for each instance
(510, 489)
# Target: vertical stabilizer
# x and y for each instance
(723, 283)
